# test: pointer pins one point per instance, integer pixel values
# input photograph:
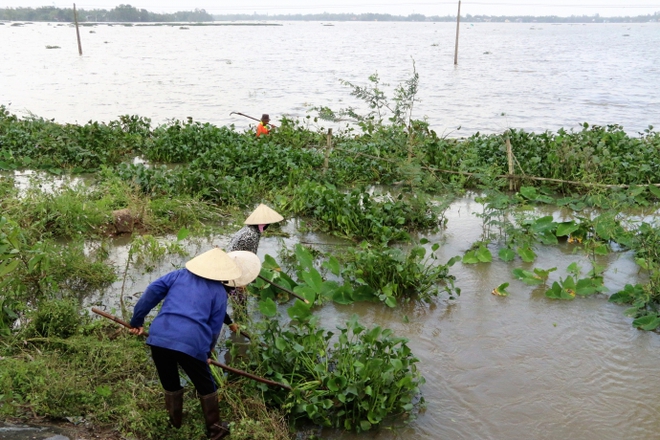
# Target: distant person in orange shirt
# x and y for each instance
(263, 127)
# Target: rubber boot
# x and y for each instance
(214, 428)
(174, 406)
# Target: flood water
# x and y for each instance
(520, 367)
(535, 77)
(516, 367)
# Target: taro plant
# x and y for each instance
(371, 273)
(573, 285)
(396, 274)
(535, 277)
(644, 299)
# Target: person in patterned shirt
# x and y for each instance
(247, 238)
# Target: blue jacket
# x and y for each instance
(191, 317)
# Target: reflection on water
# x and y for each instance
(520, 367)
(509, 75)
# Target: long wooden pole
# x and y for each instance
(328, 147)
(251, 376)
(250, 117)
(219, 364)
(75, 18)
(509, 155)
(458, 22)
(284, 289)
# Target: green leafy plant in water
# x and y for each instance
(371, 273)
(352, 380)
(538, 276)
(501, 290)
(573, 285)
(396, 274)
(358, 215)
(644, 298)
(479, 253)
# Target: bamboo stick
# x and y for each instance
(251, 117)
(509, 155)
(458, 23)
(328, 148)
(214, 362)
(504, 176)
(75, 18)
(285, 289)
(249, 375)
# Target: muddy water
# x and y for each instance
(535, 77)
(520, 367)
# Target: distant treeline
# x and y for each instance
(122, 13)
(420, 17)
(128, 13)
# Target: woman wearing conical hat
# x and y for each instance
(187, 327)
(247, 238)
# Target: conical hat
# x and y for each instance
(263, 215)
(214, 265)
(249, 264)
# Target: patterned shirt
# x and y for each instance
(246, 239)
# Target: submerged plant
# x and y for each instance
(396, 274)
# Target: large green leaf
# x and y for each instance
(527, 277)
(527, 254)
(268, 307)
(654, 190)
(306, 292)
(299, 311)
(364, 293)
(528, 192)
(270, 263)
(470, 257)
(566, 228)
(343, 295)
(313, 279)
(649, 322)
(585, 287)
(332, 264)
(507, 254)
(305, 258)
(484, 255)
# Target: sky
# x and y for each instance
(605, 8)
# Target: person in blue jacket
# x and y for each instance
(187, 327)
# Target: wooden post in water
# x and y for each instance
(509, 155)
(328, 147)
(458, 22)
(75, 19)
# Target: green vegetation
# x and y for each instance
(128, 13)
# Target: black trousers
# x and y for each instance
(167, 362)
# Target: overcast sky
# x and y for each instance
(395, 7)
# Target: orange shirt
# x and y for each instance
(261, 129)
